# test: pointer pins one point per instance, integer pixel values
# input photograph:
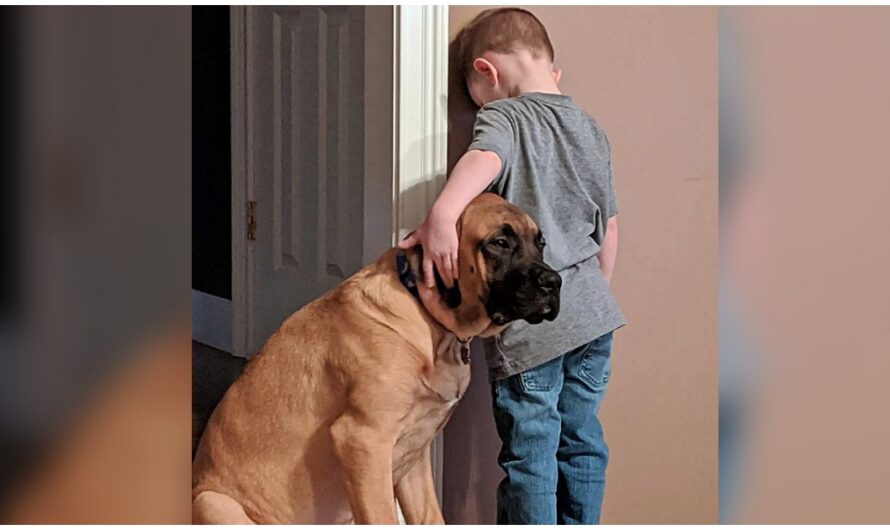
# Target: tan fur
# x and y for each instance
(333, 418)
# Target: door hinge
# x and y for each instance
(251, 220)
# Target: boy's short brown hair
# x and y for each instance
(501, 30)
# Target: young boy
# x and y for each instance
(538, 149)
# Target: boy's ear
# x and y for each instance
(484, 67)
(557, 74)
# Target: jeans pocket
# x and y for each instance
(541, 378)
(595, 370)
(595, 365)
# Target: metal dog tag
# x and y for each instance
(465, 352)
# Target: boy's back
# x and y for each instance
(555, 164)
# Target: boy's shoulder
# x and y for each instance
(542, 114)
(499, 105)
(524, 103)
(513, 111)
(598, 133)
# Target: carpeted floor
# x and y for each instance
(213, 371)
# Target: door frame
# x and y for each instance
(421, 134)
(412, 90)
(421, 108)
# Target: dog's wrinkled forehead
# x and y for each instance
(488, 213)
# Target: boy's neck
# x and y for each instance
(544, 86)
(530, 75)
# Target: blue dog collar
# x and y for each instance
(406, 275)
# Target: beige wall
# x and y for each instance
(649, 77)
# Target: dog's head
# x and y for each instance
(503, 276)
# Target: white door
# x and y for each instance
(316, 156)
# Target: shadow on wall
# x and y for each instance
(471, 473)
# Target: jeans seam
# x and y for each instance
(526, 387)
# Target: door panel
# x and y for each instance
(306, 77)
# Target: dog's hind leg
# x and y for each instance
(210, 507)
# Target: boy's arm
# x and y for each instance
(471, 175)
(438, 234)
(609, 250)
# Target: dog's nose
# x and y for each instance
(548, 280)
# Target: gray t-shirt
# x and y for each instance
(555, 165)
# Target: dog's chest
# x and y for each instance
(447, 377)
(447, 382)
(444, 383)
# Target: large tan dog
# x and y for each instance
(332, 420)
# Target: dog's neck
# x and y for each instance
(441, 303)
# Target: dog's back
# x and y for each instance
(266, 443)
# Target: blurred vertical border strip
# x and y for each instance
(94, 291)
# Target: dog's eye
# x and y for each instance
(501, 242)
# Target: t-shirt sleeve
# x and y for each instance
(611, 202)
(493, 131)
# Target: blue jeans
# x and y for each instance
(553, 450)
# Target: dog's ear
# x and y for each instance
(451, 295)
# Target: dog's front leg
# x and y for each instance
(364, 445)
(417, 493)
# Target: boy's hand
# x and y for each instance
(438, 237)
(609, 249)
